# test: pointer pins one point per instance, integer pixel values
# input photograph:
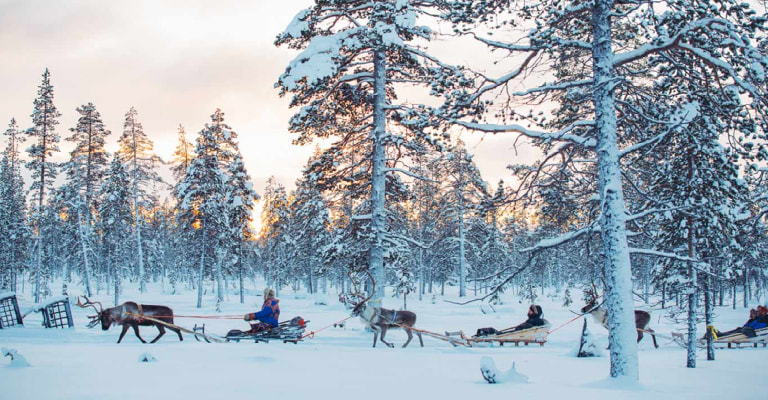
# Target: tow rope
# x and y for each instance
(572, 319)
(311, 334)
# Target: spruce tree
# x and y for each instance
(44, 144)
(137, 155)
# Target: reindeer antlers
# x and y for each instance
(89, 303)
(357, 293)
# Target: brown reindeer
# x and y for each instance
(382, 319)
(129, 315)
(600, 314)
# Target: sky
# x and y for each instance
(175, 62)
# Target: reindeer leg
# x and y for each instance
(384, 332)
(656, 345)
(125, 329)
(162, 332)
(420, 340)
(375, 334)
(136, 330)
(178, 332)
(639, 335)
(410, 336)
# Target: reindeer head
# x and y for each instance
(102, 315)
(360, 306)
(591, 294)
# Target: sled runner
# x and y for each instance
(287, 331)
(537, 334)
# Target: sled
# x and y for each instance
(738, 338)
(537, 334)
(290, 331)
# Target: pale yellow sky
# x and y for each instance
(176, 61)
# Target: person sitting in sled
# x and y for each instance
(534, 319)
(269, 314)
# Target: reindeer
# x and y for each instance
(129, 315)
(381, 319)
(600, 314)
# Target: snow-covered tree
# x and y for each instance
(43, 168)
(311, 222)
(85, 171)
(354, 56)
(115, 223)
(137, 154)
(203, 200)
(13, 225)
(274, 235)
(182, 156)
(463, 189)
(622, 47)
(240, 199)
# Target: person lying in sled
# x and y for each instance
(748, 329)
(269, 314)
(534, 319)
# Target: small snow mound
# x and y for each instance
(321, 300)
(493, 375)
(17, 360)
(146, 357)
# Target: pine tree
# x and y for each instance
(13, 226)
(85, 172)
(45, 144)
(311, 217)
(240, 199)
(354, 55)
(115, 222)
(182, 156)
(136, 153)
(203, 196)
(274, 237)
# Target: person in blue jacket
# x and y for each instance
(269, 314)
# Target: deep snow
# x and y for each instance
(339, 363)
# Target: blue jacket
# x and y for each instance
(269, 314)
(757, 323)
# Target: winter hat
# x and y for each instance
(269, 292)
(539, 311)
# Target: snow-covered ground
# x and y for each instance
(339, 363)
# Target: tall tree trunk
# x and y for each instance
(219, 276)
(200, 276)
(240, 275)
(84, 236)
(462, 251)
(618, 298)
(746, 286)
(378, 180)
(708, 305)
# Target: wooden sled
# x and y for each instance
(537, 334)
(738, 338)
